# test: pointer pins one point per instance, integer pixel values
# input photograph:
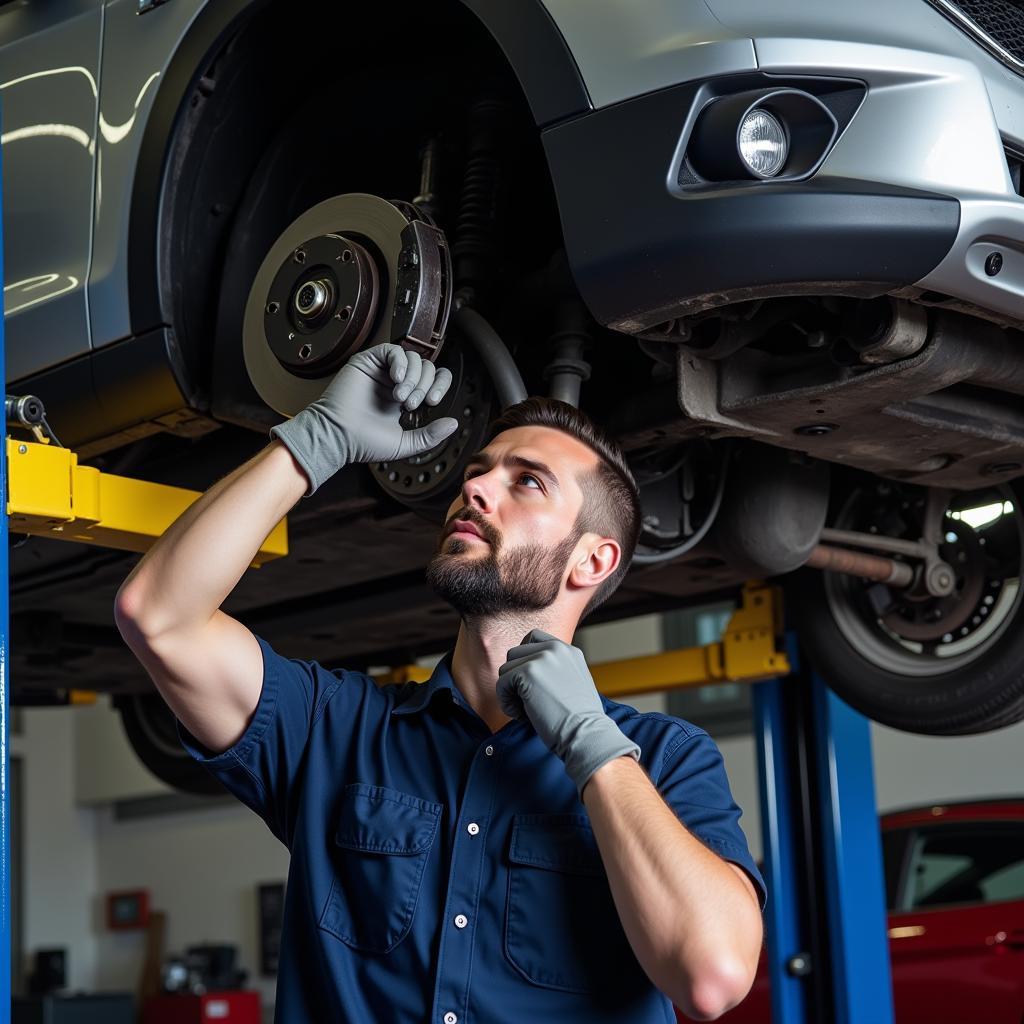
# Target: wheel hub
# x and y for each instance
(925, 617)
(321, 305)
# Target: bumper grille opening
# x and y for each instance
(997, 24)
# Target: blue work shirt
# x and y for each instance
(441, 872)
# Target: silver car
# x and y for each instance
(777, 250)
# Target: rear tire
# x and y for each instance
(939, 667)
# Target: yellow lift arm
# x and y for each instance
(748, 651)
(50, 495)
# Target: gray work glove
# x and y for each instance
(356, 417)
(549, 680)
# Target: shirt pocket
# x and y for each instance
(381, 844)
(562, 930)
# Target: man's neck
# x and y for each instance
(482, 648)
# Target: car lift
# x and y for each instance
(825, 917)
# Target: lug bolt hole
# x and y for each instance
(346, 256)
(273, 307)
(306, 351)
(299, 255)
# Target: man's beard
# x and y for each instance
(526, 578)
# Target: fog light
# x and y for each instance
(762, 143)
(775, 134)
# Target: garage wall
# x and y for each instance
(202, 868)
(58, 846)
(911, 769)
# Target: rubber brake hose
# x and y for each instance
(494, 353)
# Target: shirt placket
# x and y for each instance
(451, 990)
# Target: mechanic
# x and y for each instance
(501, 843)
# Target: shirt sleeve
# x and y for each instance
(264, 766)
(694, 784)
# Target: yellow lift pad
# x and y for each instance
(50, 495)
(748, 651)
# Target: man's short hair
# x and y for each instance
(611, 500)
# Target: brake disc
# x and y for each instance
(350, 272)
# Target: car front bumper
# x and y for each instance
(912, 194)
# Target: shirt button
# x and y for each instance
(461, 920)
(472, 828)
(488, 750)
(450, 1018)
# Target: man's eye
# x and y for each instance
(530, 476)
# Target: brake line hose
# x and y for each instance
(494, 354)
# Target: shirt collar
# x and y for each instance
(440, 679)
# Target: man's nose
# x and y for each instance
(478, 491)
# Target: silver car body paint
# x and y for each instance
(49, 66)
(127, 91)
(630, 47)
(624, 48)
(986, 226)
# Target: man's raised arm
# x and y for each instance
(208, 666)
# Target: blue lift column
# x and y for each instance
(825, 921)
(5, 800)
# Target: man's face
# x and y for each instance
(508, 537)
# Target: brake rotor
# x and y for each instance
(352, 271)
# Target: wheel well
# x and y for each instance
(263, 63)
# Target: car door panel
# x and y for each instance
(49, 55)
(951, 966)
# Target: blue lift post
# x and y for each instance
(5, 803)
(826, 925)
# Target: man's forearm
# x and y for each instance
(691, 921)
(187, 574)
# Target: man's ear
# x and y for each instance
(599, 558)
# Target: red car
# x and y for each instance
(954, 876)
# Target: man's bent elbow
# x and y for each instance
(127, 615)
(139, 621)
(717, 993)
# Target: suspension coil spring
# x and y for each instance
(477, 222)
